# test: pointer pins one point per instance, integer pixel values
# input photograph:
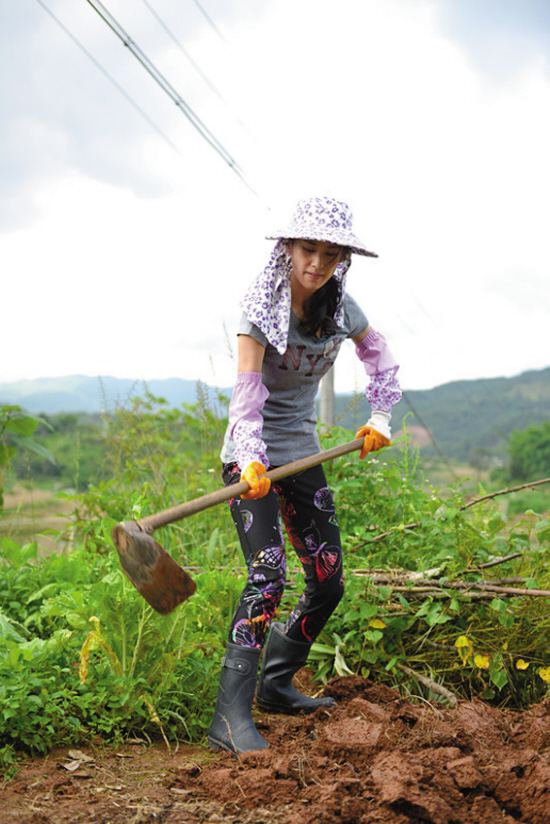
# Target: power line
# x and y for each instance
(183, 50)
(110, 78)
(431, 436)
(167, 87)
(209, 19)
(189, 57)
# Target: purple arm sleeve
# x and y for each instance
(245, 419)
(383, 390)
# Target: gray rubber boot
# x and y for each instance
(283, 657)
(232, 727)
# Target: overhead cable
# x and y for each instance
(431, 436)
(209, 19)
(167, 87)
(183, 50)
(110, 78)
(189, 57)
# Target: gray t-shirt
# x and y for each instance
(292, 380)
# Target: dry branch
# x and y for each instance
(438, 592)
(382, 576)
(465, 506)
(430, 684)
(496, 561)
(394, 576)
(535, 593)
(505, 492)
(406, 581)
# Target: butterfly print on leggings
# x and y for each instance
(326, 558)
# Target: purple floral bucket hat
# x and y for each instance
(323, 218)
(267, 301)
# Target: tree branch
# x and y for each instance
(430, 684)
(496, 561)
(505, 492)
(382, 535)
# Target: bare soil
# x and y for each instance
(374, 758)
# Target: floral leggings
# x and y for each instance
(307, 508)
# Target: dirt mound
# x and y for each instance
(373, 758)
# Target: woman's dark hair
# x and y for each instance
(320, 309)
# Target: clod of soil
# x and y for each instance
(373, 758)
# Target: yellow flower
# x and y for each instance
(481, 661)
(377, 623)
(464, 648)
(91, 643)
(544, 673)
(521, 664)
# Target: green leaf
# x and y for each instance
(373, 635)
(7, 629)
(488, 693)
(499, 678)
(75, 620)
(212, 545)
(322, 649)
(23, 425)
(367, 610)
(506, 619)
(43, 592)
(424, 608)
(37, 448)
(542, 530)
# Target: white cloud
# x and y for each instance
(370, 101)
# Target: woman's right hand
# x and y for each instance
(373, 440)
(254, 475)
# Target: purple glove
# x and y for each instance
(245, 419)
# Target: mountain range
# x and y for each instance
(81, 393)
(459, 420)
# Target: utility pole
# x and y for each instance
(326, 406)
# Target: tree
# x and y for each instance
(16, 430)
(529, 451)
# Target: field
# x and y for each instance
(34, 514)
(375, 758)
(437, 656)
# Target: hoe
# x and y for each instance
(154, 573)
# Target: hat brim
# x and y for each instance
(350, 241)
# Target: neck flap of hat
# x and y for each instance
(267, 302)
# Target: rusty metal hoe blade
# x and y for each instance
(156, 576)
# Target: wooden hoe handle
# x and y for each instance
(176, 513)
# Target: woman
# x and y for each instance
(296, 315)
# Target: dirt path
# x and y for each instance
(374, 758)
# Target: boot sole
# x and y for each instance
(218, 745)
(214, 744)
(286, 710)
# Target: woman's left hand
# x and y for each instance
(373, 440)
(254, 475)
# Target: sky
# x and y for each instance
(126, 241)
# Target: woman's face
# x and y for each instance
(313, 263)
